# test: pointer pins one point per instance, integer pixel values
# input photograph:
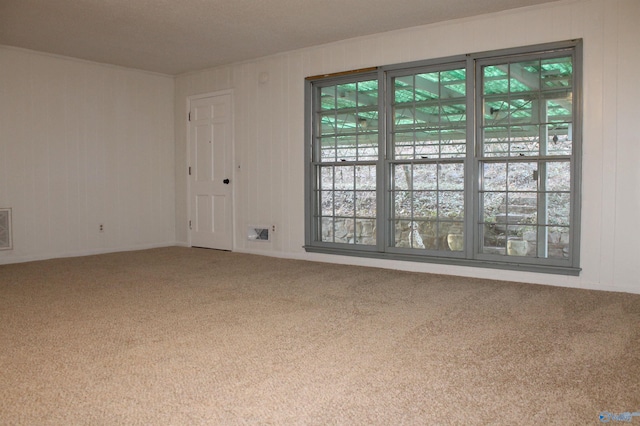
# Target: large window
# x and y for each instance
(347, 154)
(472, 160)
(427, 140)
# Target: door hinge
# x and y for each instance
(189, 115)
(190, 225)
(189, 170)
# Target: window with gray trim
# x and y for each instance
(471, 160)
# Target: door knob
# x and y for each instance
(226, 181)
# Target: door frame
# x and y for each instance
(233, 160)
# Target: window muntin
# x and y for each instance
(435, 166)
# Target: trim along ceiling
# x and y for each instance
(177, 36)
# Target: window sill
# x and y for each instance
(514, 266)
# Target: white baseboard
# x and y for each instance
(462, 271)
(79, 253)
(527, 278)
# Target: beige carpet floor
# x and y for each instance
(180, 336)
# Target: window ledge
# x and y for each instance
(514, 266)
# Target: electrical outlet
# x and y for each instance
(101, 228)
(273, 228)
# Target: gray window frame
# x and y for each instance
(472, 254)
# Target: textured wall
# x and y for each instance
(83, 144)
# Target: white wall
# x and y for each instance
(269, 130)
(83, 144)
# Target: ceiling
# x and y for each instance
(177, 36)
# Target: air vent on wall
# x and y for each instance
(5, 229)
(258, 233)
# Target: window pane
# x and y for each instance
(433, 201)
(328, 150)
(518, 247)
(522, 176)
(427, 115)
(404, 117)
(496, 111)
(402, 233)
(366, 231)
(344, 177)
(493, 241)
(495, 79)
(403, 89)
(368, 122)
(455, 237)
(345, 123)
(494, 176)
(347, 203)
(558, 207)
(366, 204)
(558, 242)
(556, 72)
(538, 91)
(525, 141)
(559, 139)
(496, 141)
(328, 124)
(524, 76)
(421, 234)
(326, 203)
(365, 177)
(558, 176)
(327, 229)
(493, 203)
(429, 232)
(326, 177)
(402, 204)
(430, 115)
(344, 230)
(425, 176)
(367, 95)
(425, 204)
(401, 176)
(404, 146)
(453, 115)
(520, 110)
(348, 122)
(344, 202)
(328, 98)
(558, 106)
(427, 86)
(451, 176)
(346, 96)
(454, 81)
(451, 205)
(367, 148)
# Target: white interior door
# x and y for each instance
(210, 172)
